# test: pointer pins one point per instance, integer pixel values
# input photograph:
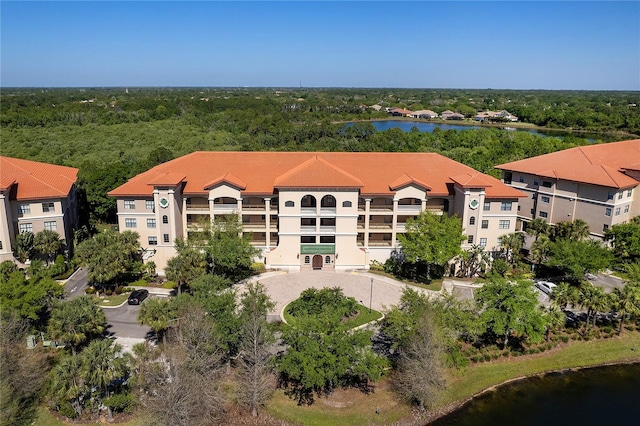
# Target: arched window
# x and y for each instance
(327, 259)
(307, 259)
(346, 204)
(308, 201)
(472, 220)
(328, 201)
(165, 219)
(289, 204)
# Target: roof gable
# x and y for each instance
(226, 178)
(406, 180)
(315, 173)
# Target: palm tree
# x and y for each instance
(157, 314)
(48, 243)
(538, 227)
(602, 302)
(554, 318)
(576, 230)
(77, 321)
(512, 244)
(103, 364)
(627, 302)
(540, 249)
(67, 381)
(564, 294)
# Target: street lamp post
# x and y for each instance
(371, 295)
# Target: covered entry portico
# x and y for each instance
(317, 256)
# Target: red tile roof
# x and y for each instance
(263, 172)
(601, 164)
(36, 180)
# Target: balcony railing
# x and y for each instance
(379, 243)
(381, 208)
(225, 207)
(327, 229)
(254, 225)
(308, 229)
(197, 206)
(417, 208)
(253, 207)
(380, 225)
(308, 210)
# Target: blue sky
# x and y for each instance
(421, 44)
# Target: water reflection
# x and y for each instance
(597, 396)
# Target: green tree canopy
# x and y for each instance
(111, 256)
(575, 258)
(77, 321)
(508, 309)
(625, 238)
(26, 297)
(432, 238)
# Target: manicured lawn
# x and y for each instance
(363, 317)
(435, 285)
(45, 418)
(113, 300)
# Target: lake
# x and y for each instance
(596, 396)
(406, 126)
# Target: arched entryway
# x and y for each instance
(317, 261)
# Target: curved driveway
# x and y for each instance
(284, 287)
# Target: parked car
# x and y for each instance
(137, 296)
(545, 286)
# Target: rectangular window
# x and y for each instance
(24, 208)
(26, 227)
(51, 226)
(470, 239)
(507, 177)
(308, 239)
(487, 206)
(605, 227)
(327, 239)
(505, 206)
(629, 192)
(535, 182)
(48, 208)
(543, 214)
(148, 204)
(165, 219)
(130, 223)
(485, 224)
(620, 195)
(626, 208)
(617, 211)
(544, 199)
(499, 241)
(483, 242)
(546, 184)
(165, 238)
(521, 179)
(153, 241)
(151, 223)
(610, 195)
(504, 224)
(129, 204)
(607, 211)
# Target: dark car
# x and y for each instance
(137, 296)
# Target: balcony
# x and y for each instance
(225, 208)
(254, 225)
(308, 229)
(379, 243)
(309, 210)
(327, 229)
(410, 208)
(254, 207)
(381, 208)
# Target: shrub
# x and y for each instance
(505, 353)
(331, 301)
(90, 290)
(65, 409)
(119, 289)
(475, 358)
(258, 267)
(121, 402)
(486, 357)
(108, 292)
(376, 266)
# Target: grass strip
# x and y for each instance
(463, 384)
(113, 300)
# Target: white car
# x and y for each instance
(545, 286)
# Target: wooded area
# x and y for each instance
(112, 134)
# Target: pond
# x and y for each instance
(423, 126)
(596, 396)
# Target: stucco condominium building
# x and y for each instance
(312, 210)
(597, 183)
(35, 196)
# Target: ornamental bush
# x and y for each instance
(326, 301)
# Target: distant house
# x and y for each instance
(492, 116)
(399, 112)
(376, 107)
(450, 115)
(34, 197)
(424, 113)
